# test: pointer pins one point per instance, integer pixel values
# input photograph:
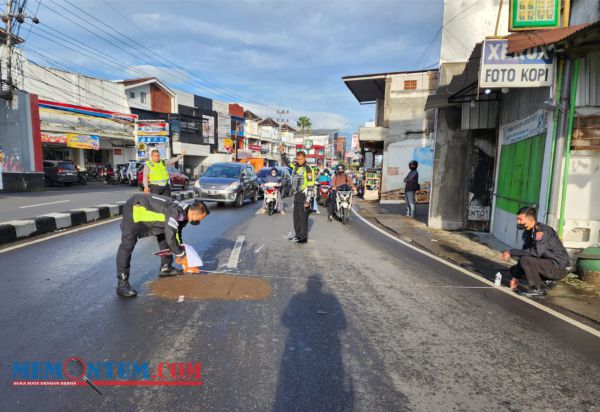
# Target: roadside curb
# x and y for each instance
(51, 222)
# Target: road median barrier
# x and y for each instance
(50, 222)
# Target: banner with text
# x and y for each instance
(528, 68)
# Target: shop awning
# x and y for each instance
(438, 100)
(529, 39)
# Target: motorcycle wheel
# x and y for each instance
(271, 209)
(239, 200)
(344, 216)
(81, 180)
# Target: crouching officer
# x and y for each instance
(158, 216)
(303, 177)
(543, 258)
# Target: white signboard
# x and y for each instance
(528, 68)
(522, 129)
(208, 129)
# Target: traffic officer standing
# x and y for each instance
(156, 177)
(303, 178)
(162, 217)
(543, 258)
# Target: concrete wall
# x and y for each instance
(450, 174)
(467, 22)
(136, 101)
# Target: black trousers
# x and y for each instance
(300, 216)
(536, 270)
(160, 190)
(130, 233)
(332, 203)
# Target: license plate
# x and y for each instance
(212, 192)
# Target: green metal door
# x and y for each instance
(520, 174)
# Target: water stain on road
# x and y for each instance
(220, 286)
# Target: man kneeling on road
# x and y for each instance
(543, 258)
(159, 216)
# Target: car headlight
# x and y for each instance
(197, 184)
(233, 186)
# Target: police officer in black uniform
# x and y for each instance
(543, 258)
(303, 178)
(160, 216)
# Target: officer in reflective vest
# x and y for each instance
(303, 178)
(156, 176)
(158, 216)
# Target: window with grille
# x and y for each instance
(410, 84)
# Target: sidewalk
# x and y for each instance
(478, 252)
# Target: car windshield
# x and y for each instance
(222, 171)
(65, 165)
(266, 172)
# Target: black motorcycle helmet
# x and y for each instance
(413, 165)
(340, 169)
(273, 169)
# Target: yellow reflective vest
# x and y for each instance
(158, 173)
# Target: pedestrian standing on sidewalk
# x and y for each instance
(156, 176)
(543, 258)
(411, 185)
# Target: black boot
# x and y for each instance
(123, 287)
(169, 270)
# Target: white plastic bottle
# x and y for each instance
(498, 281)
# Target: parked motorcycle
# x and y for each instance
(323, 194)
(106, 174)
(343, 202)
(270, 201)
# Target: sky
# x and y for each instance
(266, 55)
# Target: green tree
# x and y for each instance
(304, 124)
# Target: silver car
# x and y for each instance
(228, 183)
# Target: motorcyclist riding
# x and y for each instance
(338, 179)
(273, 177)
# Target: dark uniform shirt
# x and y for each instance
(543, 242)
(155, 215)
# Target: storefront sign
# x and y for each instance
(152, 139)
(55, 138)
(479, 213)
(228, 144)
(83, 141)
(528, 68)
(153, 129)
(208, 129)
(534, 14)
(254, 147)
(308, 144)
(88, 111)
(530, 126)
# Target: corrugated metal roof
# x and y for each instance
(528, 39)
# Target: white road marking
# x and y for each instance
(258, 250)
(506, 290)
(63, 233)
(235, 253)
(44, 204)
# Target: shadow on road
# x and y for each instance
(311, 374)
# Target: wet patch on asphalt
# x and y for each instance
(220, 286)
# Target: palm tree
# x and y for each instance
(304, 124)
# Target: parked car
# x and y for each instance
(59, 171)
(131, 172)
(176, 178)
(228, 183)
(283, 172)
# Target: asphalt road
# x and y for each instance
(354, 321)
(59, 199)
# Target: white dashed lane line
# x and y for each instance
(235, 253)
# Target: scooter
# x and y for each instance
(323, 194)
(343, 202)
(270, 201)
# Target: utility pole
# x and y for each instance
(10, 42)
(12, 20)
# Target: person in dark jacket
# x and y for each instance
(273, 177)
(543, 258)
(411, 185)
(154, 215)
